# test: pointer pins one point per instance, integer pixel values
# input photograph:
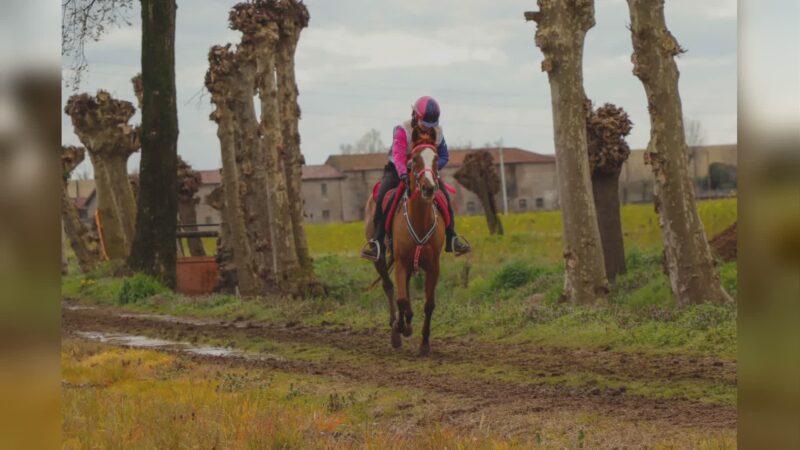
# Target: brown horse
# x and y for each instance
(418, 237)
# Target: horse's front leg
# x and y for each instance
(431, 279)
(403, 323)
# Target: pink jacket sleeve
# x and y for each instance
(400, 150)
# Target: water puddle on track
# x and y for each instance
(133, 341)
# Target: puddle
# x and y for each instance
(127, 340)
(76, 307)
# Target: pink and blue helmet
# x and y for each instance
(426, 110)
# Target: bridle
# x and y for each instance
(420, 241)
(419, 174)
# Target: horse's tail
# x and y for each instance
(389, 267)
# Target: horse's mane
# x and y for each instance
(422, 136)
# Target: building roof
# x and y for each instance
(321, 172)
(376, 161)
(210, 176)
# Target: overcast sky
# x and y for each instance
(361, 63)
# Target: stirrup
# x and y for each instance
(375, 258)
(466, 244)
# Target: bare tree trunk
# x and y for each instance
(688, 258)
(287, 267)
(154, 248)
(605, 190)
(606, 129)
(221, 80)
(226, 264)
(290, 117)
(490, 210)
(253, 172)
(101, 123)
(561, 30)
(85, 248)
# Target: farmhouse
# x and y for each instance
(337, 190)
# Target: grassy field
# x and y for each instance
(497, 321)
(509, 294)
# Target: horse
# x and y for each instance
(418, 233)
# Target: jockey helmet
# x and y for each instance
(426, 110)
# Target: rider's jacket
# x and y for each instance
(401, 145)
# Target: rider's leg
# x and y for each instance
(376, 245)
(452, 240)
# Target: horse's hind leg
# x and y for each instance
(431, 278)
(388, 289)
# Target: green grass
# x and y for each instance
(511, 294)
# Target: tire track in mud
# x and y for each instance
(513, 397)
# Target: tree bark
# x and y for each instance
(253, 173)
(687, 254)
(101, 123)
(606, 129)
(561, 30)
(85, 248)
(290, 117)
(225, 258)
(605, 190)
(154, 248)
(222, 79)
(265, 40)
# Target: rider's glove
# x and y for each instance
(404, 178)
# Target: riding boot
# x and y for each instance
(454, 242)
(375, 248)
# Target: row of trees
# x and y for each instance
(261, 160)
(263, 232)
(561, 30)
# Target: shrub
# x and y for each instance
(513, 275)
(138, 287)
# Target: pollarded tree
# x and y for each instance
(226, 283)
(154, 248)
(687, 254)
(606, 129)
(188, 184)
(223, 80)
(479, 175)
(560, 33)
(84, 246)
(257, 21)
(294, 17)
(101, 123)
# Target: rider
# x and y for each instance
(424, 114)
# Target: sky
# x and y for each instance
(362, 63)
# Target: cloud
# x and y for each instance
(396, 49)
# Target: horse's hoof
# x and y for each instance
(424, 349)
(396, 340)
(407, 330)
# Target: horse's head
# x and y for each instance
(424, 170)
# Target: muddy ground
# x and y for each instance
(458, 400)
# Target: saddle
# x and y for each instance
(392, 200)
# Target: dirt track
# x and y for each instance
(502, 398)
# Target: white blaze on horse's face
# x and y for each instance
(428, 157)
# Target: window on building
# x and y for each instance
(523, 204)
(209, 220)
(324, 189)
(539, 202)
(326, 214)
(470, 206)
